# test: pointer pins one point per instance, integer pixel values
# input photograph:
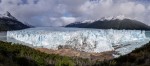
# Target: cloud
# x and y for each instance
(62, 12)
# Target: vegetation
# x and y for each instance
(19, 55)
(138, 57)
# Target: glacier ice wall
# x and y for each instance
(88, 40)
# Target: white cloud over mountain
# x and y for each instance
(62, 12)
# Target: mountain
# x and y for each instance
(118, 22)
(8, 22)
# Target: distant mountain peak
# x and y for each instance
(7, 15)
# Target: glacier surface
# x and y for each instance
(88, 40)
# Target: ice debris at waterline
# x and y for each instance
(88, 40)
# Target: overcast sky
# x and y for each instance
(62, 12)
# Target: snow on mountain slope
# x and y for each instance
(120, 17)
(7, 15)
(88, 40)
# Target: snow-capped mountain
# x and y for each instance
(9, 22)
(117, 22)
(7, 15)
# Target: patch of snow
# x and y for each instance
(87, 21)
(120, 17)
(7, 15)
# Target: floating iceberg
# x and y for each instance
(88, 40)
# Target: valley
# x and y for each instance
(74, 33)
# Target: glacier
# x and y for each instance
(88, 40)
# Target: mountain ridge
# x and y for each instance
(112, 23)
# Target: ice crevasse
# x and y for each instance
(88, 40)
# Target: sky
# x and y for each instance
(63, 12)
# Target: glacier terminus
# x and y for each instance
(82, 39)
